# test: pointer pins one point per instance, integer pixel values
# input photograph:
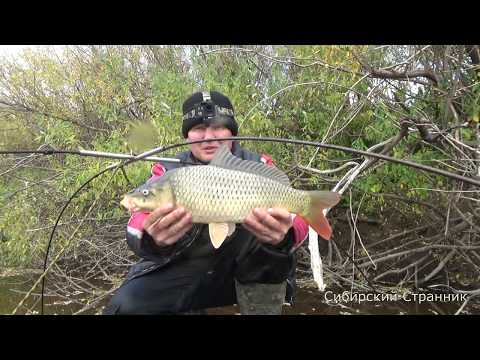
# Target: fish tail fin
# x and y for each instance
(320, 200)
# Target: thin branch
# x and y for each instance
(406, 75)
(440, 266)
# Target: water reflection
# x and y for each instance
(313, 302)
(309, 302)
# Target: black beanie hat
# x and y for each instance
(208, 107)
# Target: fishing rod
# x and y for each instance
(98, 154)
(145, 155)
(470, 180)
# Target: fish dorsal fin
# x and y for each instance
(219, 232)
(225, 159)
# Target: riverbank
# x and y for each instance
(309, 301)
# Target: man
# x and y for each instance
(180, 271)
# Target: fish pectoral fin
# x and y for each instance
(231, 228)
(126, 204)
(219, 232)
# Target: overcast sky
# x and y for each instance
(12, 49)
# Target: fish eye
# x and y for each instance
(145, 192)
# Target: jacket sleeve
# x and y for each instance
(300, 232)
(267, 264)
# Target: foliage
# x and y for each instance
(99, 97)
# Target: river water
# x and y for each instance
(309, 301)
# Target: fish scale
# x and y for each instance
(204, 190)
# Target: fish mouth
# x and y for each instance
(127, 203)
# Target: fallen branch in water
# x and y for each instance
(399, 271)
(422, 249)
(402, 234)
(439, 267)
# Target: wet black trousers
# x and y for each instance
(201, 279)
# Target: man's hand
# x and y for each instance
(269, 226)
(166, 225)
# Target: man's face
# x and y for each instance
(206, 151)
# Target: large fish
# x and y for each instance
(224, 192)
